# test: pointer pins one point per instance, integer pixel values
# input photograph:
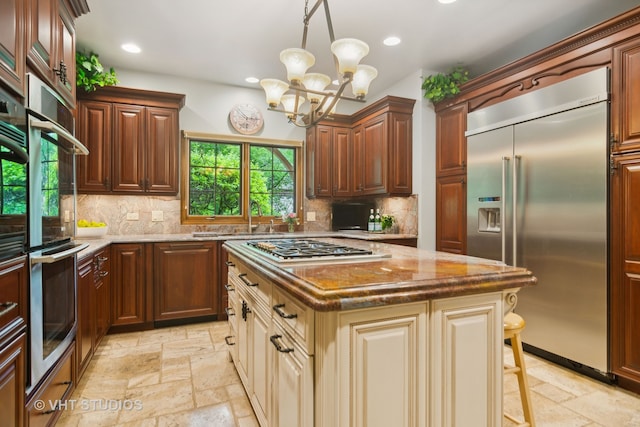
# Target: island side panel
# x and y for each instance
(466, 360)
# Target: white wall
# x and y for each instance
(207, 107)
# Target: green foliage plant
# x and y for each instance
(440, 86)
(90, 73)
(387, 221)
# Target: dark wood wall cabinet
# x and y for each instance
(133, 141)
(366, 154)
(14, 275)
(39, 36)
(13, 16)
(614, 44)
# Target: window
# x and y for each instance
(50, 179)
(13, 186)
(223, 175)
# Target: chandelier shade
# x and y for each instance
(347, 54)
(274, 89)
(289, 103)
(297, 61)
(362, 79)
(315, 82)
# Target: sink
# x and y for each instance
(241, 234)
(204, 234)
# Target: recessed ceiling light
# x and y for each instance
(131, 48)
(252, 80)
(392, 41)
(446, 1)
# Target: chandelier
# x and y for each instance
(347, 54)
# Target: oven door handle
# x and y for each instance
(51, 258)
(46, 126)
(17, 155)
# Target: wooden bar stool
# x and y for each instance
(513, 325)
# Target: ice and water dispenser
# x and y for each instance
(489, 217)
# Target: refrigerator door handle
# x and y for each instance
(505, 161)
(516, 160)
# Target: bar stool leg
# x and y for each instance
(523, 382)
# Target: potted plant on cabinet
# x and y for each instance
(90, 73)
(444, 85)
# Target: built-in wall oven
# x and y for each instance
(52, 205)
(13, 177)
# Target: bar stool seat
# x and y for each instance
(513, 325)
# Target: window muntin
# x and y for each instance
(222, 174)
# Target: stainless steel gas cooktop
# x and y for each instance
(301, 250)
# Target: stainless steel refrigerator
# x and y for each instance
(537, 198)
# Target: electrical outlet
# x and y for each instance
(133, 216)
(311, 216)
(157, 216)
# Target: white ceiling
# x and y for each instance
(225, 41)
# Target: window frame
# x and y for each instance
(246, 141)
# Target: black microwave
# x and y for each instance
(350, 215)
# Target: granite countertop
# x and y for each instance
(99, 243)
(408, 275)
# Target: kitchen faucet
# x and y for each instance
(253, 203)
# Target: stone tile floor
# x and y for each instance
(182, 376)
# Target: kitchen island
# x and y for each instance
(403, 337)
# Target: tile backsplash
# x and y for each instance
(120, 213)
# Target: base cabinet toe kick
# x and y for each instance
(432, 363)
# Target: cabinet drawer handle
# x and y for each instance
(230, 264)
(227, 338)
(229, 311)
(278, 346)
(104, 273)
(103, 258)
(229, 288)
(277, 308)
(6, 307)
(186, 245)
(243, 277)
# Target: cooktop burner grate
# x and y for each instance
(304, 248)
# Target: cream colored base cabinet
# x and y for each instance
(466, 349)
(436, 364)
(292, 382)
(373, 373)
